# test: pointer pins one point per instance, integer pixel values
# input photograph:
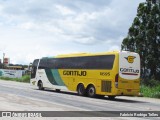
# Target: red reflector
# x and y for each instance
(116, 78)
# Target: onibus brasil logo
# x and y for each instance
(130, 59)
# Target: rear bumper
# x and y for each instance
(127, 92)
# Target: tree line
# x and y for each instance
(144, 38)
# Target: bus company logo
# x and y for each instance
(129, 71)
(130, 59)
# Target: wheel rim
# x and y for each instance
(91, 91)
(81, 90)
(40, 85)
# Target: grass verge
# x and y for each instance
(148, 91)
(25, 78)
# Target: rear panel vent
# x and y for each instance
(106, 86)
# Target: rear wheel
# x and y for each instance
(81, 90)
(40, 85)
(91, 91)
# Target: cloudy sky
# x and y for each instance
(31, 29)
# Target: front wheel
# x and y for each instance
(40, 85)
(91, 91)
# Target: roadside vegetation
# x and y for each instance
(151, 89)
(25, 78)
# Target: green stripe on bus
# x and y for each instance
(50, 76)
(54, 77)
(57, 77)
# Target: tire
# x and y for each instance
(111, 97)
(40, 85)
(91, 91)
(81, 90)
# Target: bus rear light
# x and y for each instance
(116, 81)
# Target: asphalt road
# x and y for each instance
(23, 97)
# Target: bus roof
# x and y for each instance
(86, 54)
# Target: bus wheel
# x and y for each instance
(91, 91)
(40, 85)
(81, 90)
(112, 97)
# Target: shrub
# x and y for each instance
(153, 92)
(150, 83)
(25, 78)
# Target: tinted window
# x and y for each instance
(34, 68)
(87, 62)
(35, 63)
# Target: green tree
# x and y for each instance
(144, 38)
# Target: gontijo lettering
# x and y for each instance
(129, 71)
(74, 73)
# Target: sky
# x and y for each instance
(31, 29)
